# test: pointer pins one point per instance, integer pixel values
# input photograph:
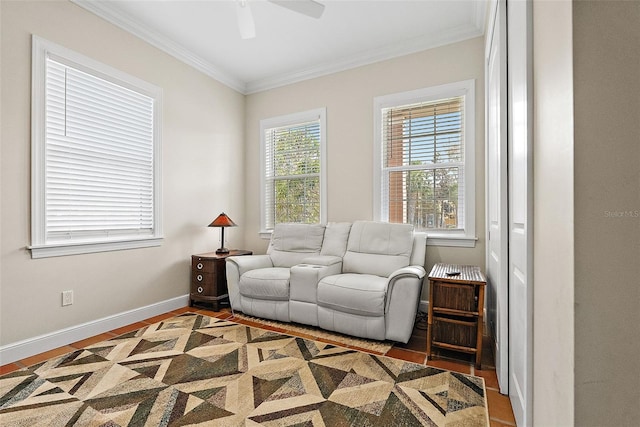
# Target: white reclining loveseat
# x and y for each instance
(363, 279)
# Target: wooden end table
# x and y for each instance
(456, 309)
(209, 278)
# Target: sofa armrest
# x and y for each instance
(412, 270)
(236, 266)
(305, 279)
(303, 288)
(403, 297)
(250, 262)
(324, 260)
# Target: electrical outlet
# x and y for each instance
(67, 298)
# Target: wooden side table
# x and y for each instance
(456, 309)
(209, 278)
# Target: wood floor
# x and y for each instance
(500, 412)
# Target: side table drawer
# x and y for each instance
(202, 283)
(203, 265)
(201, 278)
(454, 296)
(455, 331)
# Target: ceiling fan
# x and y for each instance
(245, 17)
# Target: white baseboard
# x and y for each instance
(31, 346)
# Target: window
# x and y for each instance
(95, 156)
(293, 169)
(424, 154)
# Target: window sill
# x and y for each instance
(53, 250)
(459, 241)
(266, 235)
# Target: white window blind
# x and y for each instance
(293, 169)
(423, 163)
(96, 159)
(99, 156)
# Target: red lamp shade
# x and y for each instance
(222, 221)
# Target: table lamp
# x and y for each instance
(222, 221)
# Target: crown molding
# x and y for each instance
(403, 48)
(108, 13)
(418, 44)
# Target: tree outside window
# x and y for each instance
(296, 153)
(293, 173)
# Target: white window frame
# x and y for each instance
(291, 120)
(457, 238)
(40, 247)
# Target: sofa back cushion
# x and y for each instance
(291, 243)
(336, 236)
(378, 248)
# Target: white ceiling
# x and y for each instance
(288, 46)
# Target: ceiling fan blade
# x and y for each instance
(245, 20)
(306, 7)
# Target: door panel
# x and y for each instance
(520, 208)
(497, 186)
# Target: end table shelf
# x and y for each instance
(456, 309)
(209, 278)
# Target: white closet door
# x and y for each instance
(496, 183)
(520, 209)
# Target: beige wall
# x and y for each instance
(205, 165)
(348, 97)
(553, 353)
(203, 133)
(606, 52)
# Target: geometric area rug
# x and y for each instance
(198, 370)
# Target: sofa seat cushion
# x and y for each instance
(265, 283)
(362, 294)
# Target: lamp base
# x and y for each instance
(222, 251)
